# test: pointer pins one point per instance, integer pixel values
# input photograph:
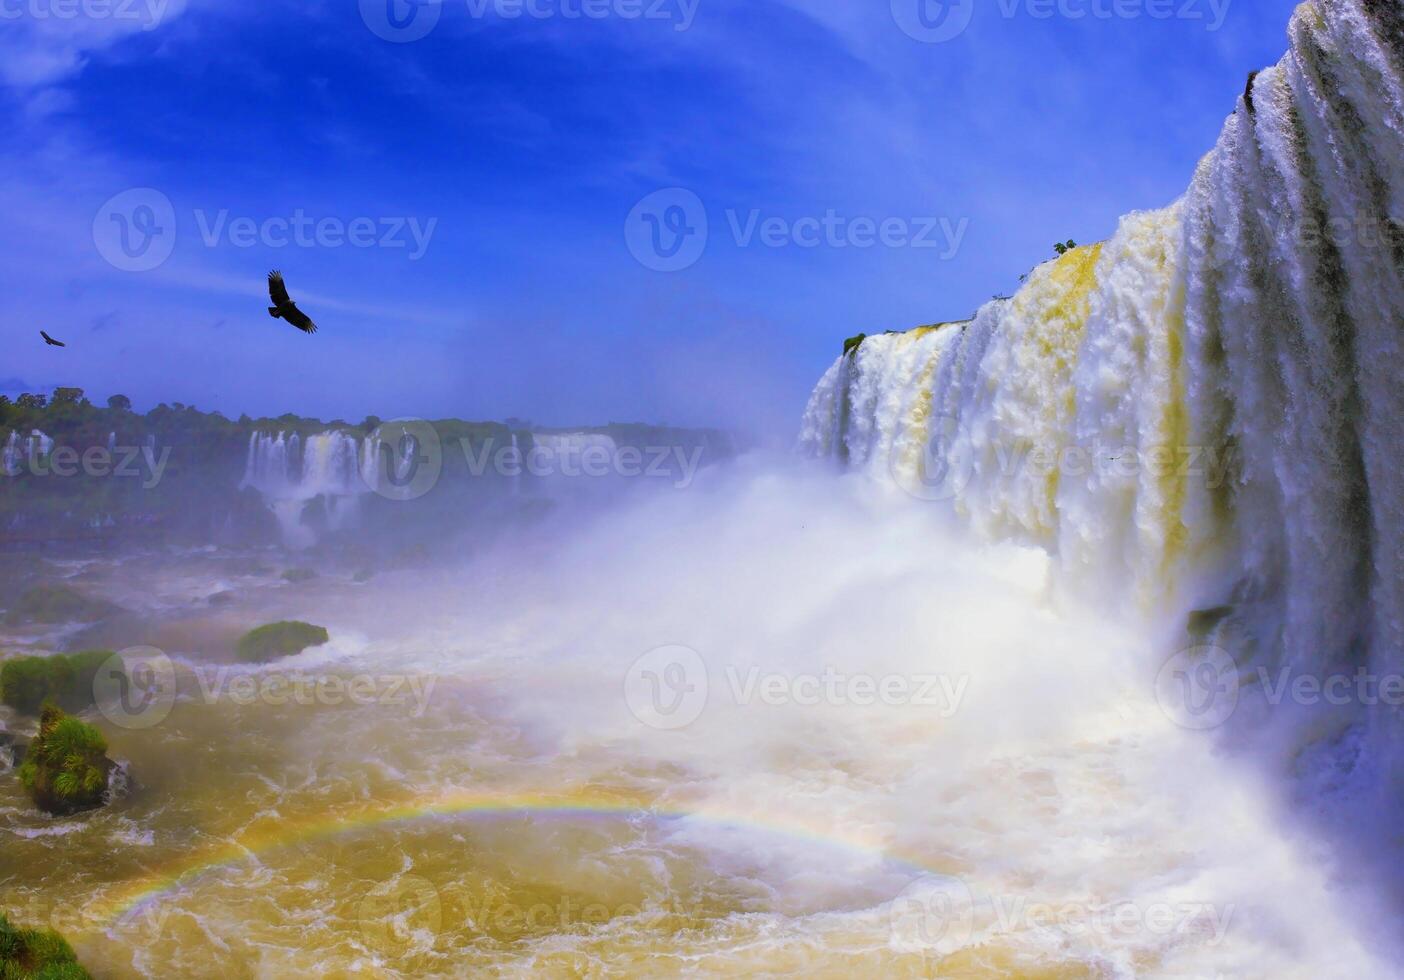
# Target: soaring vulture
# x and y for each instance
(284, 308)
(51, 341)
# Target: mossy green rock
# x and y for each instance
(49, 604)
(35, 954)
(280, 640)
(66, 768)
(65, 679)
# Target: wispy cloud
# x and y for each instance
(45, 43)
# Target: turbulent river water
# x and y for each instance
(994, 689)
(901, 756)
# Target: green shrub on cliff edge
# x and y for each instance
(34, 954)
(280, 640)
(65, 770)
(67, 680)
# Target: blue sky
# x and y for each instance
(489, 173)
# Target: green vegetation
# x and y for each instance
(66, 680)
(853, 343)
(65, 770)
(36, 954)
(50, 604)
(173, 474)
(1063, 248)
(280, 640)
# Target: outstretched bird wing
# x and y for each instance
(51, 341)
(299, 319)
(278, 290)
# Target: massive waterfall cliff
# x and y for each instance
(1204, 410)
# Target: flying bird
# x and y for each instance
(284, 308)
(51, 341)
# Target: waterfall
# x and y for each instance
(563, 445)
(289, 473)
(1205, 409)
(516, 454)
(16, 451)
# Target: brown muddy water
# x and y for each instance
(784, 733)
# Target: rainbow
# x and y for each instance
(136, 898)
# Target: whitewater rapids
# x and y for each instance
(1038, 785)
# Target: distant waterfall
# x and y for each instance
(289, 473)
(1208, 408)
(17, 451)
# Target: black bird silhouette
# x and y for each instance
(284, 308)
(51, 341)
(1248, 93)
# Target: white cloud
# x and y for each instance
(43, 42)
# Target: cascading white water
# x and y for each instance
(289, 473)
(17, 451)
(1203, 410)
